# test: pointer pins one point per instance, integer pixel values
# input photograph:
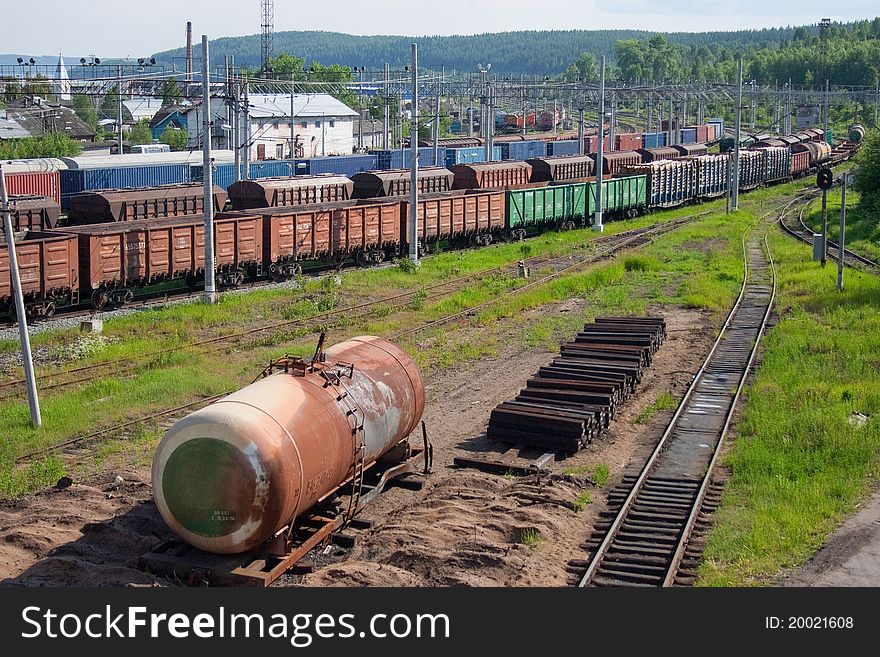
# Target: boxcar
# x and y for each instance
(654, 139)
(556, 206)
(661, 153)
(368, 231)
(621, 197)
(48, 267)
(591, 144)
(163, 202)
(563, 147)
(33, 212)
(523, 150)
(688, 135)
(470, 154)
(376, 184)
(294, 190)
(456, 216)
(116, 259)
(628, 141)
(691, 150)
(566, 167)
(713, 172)
(490, 175)
(669, 182)
(612, 162)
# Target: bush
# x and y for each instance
(867, 180)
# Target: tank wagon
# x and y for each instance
(856, 133)
(289, 191)
(163, 202)
(228, 477)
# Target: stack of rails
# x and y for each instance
(569, 402)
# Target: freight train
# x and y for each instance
(365, 220)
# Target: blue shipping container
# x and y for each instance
(75, 181)
(400, 159)
(688, 135)
(470, 154)
(523, 150)
(654, 139)
(563, 147)
(343, 165)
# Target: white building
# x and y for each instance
(61, 85)
(323, 125)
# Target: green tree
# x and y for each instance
(170, 92)
(109, 106)
(84, 109)
(140, 133)
(583, 68)
(176, 138)
(867, 180)
(51, 145)
(286, 64)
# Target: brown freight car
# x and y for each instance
(33, 212)
(369, 231)
(691, 150)
(562, 167)
(465, 218)
(661, 153)
(289, 191)
(395, 182)
(163, 202)
(490, 175)
(48, 266)
(613, 161)
(116, 259)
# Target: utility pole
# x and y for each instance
(236, 124)
(437, 123)
(414, 162)
(210, 295)
(612, 122)
(119, 109)
(247, 133)
(580, 126)
(490, 126)
(734, 201)
(385, 98)
(21, 313)
(827, 107)
(824, 259)
(600, 133)
(292, 116)
(671, 139)
(842, 239)
(524, 109)
(752, 106)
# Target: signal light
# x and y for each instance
(825, 178)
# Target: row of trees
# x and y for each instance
(867, 181)
(51, 145)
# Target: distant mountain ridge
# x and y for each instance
(527, 52)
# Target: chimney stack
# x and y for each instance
(189, 51)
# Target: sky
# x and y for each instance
(119, 28)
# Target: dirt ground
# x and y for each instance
(463, 528)
(850, 557)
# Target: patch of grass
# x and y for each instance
(798, 466)
(600, 475)
(640, 263)
(530, 537)
(664, 402)
(582, 501)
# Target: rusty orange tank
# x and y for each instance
(227, 477)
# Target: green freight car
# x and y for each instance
(539, 208)
(621, 197)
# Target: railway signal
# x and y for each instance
(825, 178)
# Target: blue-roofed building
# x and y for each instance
(171, 116)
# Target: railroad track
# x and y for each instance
(804, 233)
(121, 367)
(606, 247)
(647, 536)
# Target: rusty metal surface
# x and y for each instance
(395, 182)
(290, 191)
(48, 266)
(30, 212)
(163, 202)
(228, 476)
(490, 175)
(455, 214)
(562, 168)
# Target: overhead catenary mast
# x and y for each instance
(267, 24)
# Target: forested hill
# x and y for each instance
(533, 53)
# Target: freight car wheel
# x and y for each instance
(100, 298)
(566, 225)
(274, 274)
(49, 309)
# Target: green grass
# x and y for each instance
(862, 229)
(798, 466)
(600, 475)
(664, 402)
(530, 537)
(581, 501)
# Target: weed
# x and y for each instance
(664, 402)
(600, 475)
(530, 537)
(582, 501)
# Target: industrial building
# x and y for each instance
(323, 125)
